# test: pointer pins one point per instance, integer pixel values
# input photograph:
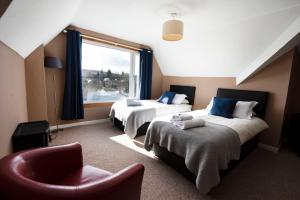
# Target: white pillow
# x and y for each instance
(244, 109)
(178, 98)
(185, 101)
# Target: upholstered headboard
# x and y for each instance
(247, 95)
(189, 91)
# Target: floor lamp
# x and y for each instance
(54, 63)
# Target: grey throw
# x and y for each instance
(206, 150)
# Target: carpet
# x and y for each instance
(262, 175)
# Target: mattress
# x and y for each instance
(245, 128)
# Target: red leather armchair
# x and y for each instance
(58, 173)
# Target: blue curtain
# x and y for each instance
(73, 100)
(145, 73)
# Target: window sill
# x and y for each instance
(98, 104)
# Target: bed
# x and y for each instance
(134, 120)
(205, 154)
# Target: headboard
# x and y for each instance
(247, 95)
(189, 91)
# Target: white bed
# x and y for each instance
(245, 128)
(132, 117)
(205, 150)
(200, 152)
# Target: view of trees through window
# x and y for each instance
(108, 73)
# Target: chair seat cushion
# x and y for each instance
(84, 175)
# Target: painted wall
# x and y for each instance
(274, 79)
(36, 85)
(13, 108)
(55, 80)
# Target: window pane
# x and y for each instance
(105, 73)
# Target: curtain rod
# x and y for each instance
(108, 42)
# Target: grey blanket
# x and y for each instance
(206, 150)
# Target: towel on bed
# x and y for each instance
(133, 102)
(187, 124)
(181, 117)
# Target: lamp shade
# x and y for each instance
(53, 62)
(172, 30)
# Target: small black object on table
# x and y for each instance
(31, 135)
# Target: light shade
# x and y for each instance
(53, 62)
(172, 30)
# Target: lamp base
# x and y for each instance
(53, 132)
(57, 130)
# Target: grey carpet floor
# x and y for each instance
(262, 175)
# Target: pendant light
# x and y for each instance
(173, 29)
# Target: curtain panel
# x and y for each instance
(146, 57)
(73, 100)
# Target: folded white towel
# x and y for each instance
(187, 124)
(133, 102)
(181, 117)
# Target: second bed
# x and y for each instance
(204, 151)
(134, 120)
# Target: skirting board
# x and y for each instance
(268, 147)
(98, 121)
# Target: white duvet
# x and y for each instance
(133, 117)
(245, 128)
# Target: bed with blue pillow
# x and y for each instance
(134, 120)
(233, 119)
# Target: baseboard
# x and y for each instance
(98, 121)
(268, 147)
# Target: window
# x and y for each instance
(109, 73)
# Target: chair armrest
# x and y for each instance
(125, 183)
(50, 163)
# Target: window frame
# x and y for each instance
(132, 70)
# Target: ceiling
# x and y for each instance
(221, 38)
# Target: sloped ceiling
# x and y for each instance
(27, 24)
(221, 38)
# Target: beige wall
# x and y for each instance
(156, 80)
(57, 48)
(206, 87)
(274, 79)
(36, 85)
(13, 109)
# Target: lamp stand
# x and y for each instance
(56, 110)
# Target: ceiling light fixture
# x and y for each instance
(173, 29)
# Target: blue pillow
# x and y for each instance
(223, 107)
(167, 98)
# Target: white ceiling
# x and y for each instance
(27, 24)
(221, 38)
